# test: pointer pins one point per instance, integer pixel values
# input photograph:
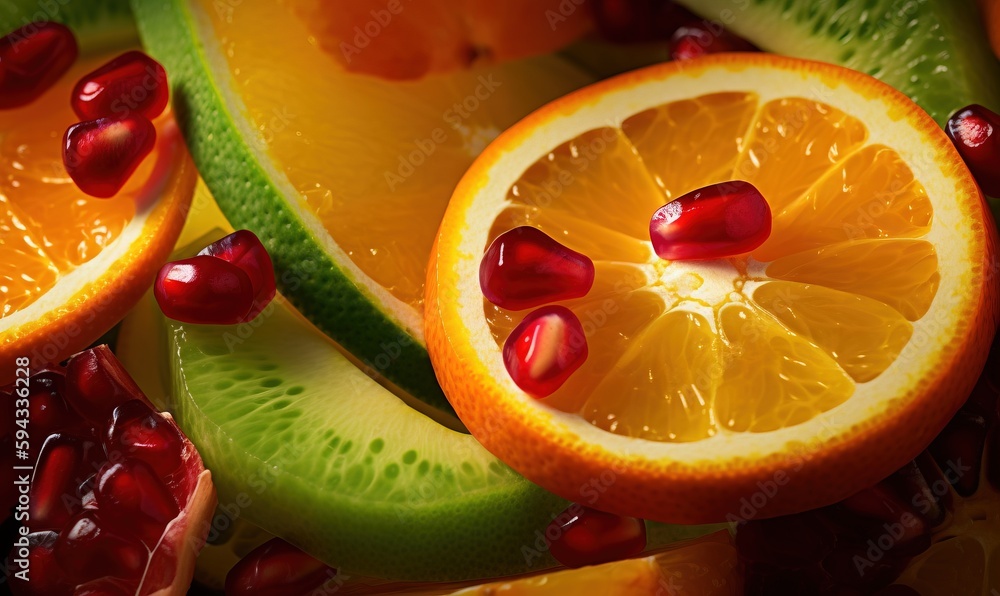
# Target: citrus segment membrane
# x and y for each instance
(680, 351)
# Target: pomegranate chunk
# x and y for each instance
(276, 568)
(714, 222)
(131, 83)
(583, 536)
(975, 131)
(243, 249)
(119, 498)
(32, 58)
(638, 21)
(524, 268)
(100, 155)
(545, 349)
(204, 290)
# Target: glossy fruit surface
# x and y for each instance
(204, 290)
(975, 131)
(243, 249)
(276, 568)
(585, 536)
(545, 349)
(132, 83)
(694, 364)
(100, 155)
(32, 58)
(117, 503)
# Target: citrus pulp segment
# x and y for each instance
(72, 265)
(717, 377)
(344, 177)
(315, 451)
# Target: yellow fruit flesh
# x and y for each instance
(48, 227)
(680, 351)
(375, 161)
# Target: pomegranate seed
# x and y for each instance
(697, 38)
(204, 290)
(63, 463)
(130, 493)
(86, 551)
(637, 21)
(32, 58)
(714, 222)
(975, 131)
(49, 411)
(97, 383)
(545, 349)
(34, 553)
(958, 450)
(583, 536)
(243, 249)
(131, 83)
(100, 155)
(524, 268)
(276, 568)
(137, 431)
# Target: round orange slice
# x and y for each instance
(72, 265)
(753, 386)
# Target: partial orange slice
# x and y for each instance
(768, 383)
(72, 265)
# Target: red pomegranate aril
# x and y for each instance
(544, 350)
(87, 550)
(243, 249)
(276, 568)
(101, 155)
(975, 131)
(49, 411)
(204, 290)
(583, 536)
(32, 58)
(131, 83)
(63, 463)
(715, 222)
(130, 492)
(696, 38)
(524, 268)
(138, 432)
(97, 383)
(638, 21)
(958, 451)
(44, 576)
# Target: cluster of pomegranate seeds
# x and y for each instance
(718, 221)
(131, 83)
(116, 104)
(583, 536)
(32, 58)
(975, 131)
(524, 268)
(862, 544)
(277, 568)
(544, 350)
(113, 485)
(230, 281)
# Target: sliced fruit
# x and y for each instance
(705, 566)
(118, 497)
(72, 265)
(316, 452)
(835, 350)
(329, 156)
(396, 41)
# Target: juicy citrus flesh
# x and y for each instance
(813, 357)
(49, 227)
(72, 265)
(681, 350)
(374, 160)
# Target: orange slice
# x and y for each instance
(72, 265)
(770, 383)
